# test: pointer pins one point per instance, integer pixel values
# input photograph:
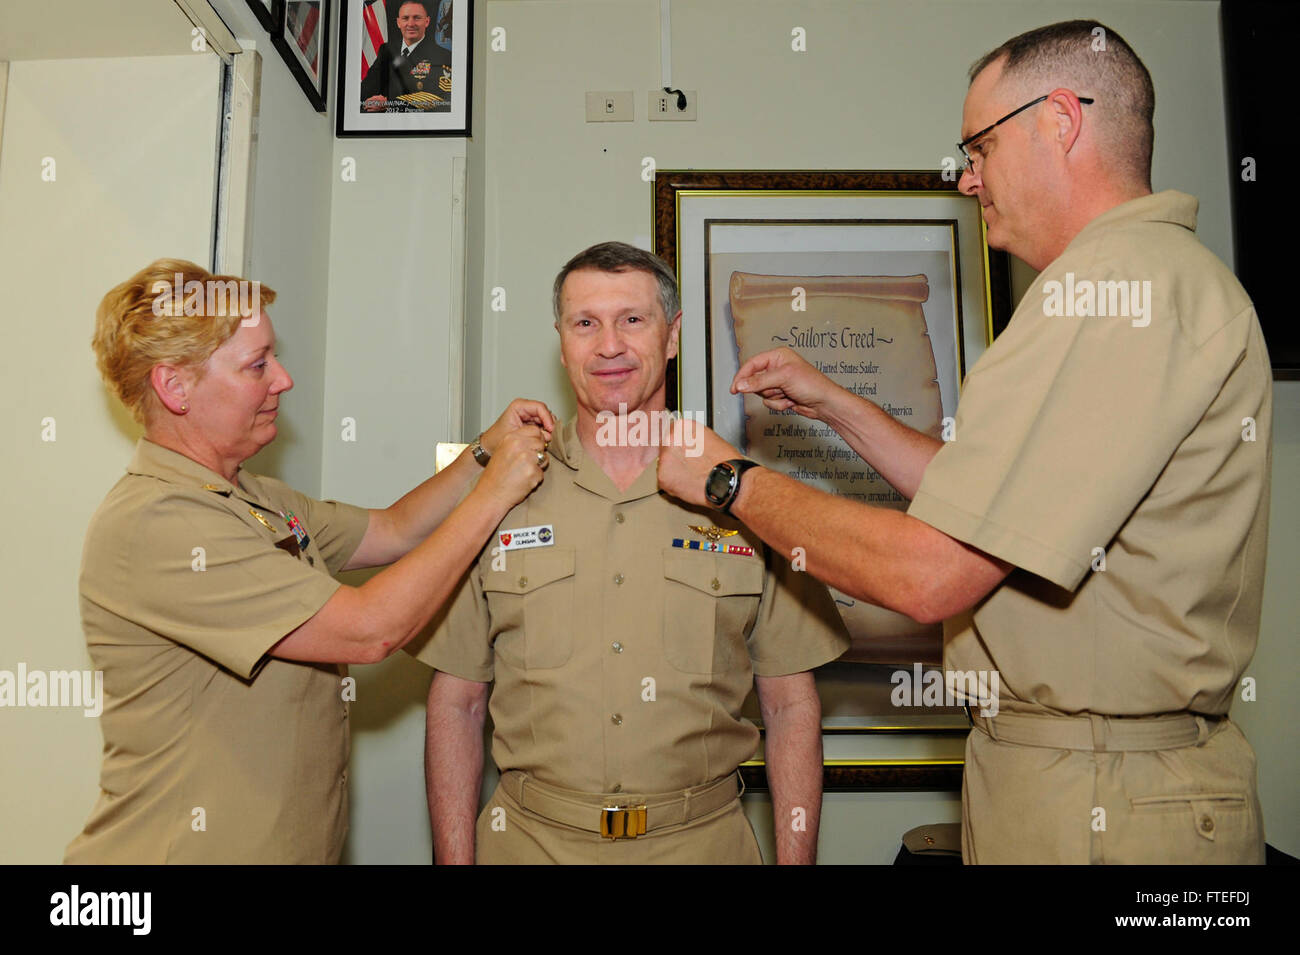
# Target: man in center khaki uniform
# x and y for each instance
(623, 630)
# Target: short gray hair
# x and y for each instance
(1094, 60)
(621, 257)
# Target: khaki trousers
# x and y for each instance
(509, 834)
(1187, 799)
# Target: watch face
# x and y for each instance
(719, 484)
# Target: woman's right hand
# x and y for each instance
(517, 466)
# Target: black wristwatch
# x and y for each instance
(724, 483)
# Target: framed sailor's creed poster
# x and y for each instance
(404, 68)
(301, 34)
(885, 283)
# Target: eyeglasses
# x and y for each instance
(961, 146)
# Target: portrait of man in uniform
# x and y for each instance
(411, 71)
(614, 633)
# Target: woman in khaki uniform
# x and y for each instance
(207, 593)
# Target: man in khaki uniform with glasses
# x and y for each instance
(623, 631)
(1096, 531)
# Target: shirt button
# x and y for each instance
(523, 582)
(616, 647)
(715, 585)
(619, 517)
(618, 578)
(616, 719)
(1207, 824)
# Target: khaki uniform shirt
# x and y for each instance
(621, 662)
(213, 751)
(1084, 437)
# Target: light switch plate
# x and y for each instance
(609, 106)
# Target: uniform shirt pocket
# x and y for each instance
(531, 604)
(710, 603)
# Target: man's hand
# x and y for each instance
(520, 412)
(375, 104)
(784, 380)
(690, 451)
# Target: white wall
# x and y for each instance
(290, 248)
(134, 156)
(386, 368)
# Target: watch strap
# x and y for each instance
(738, 466)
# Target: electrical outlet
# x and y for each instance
(663, 106)
(604, 106)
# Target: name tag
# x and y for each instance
(543, 535)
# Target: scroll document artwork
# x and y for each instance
(867, 334)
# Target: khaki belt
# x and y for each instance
(1100, 734)
(620, 815)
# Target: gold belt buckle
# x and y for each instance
(622, 822)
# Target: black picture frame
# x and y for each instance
(267, 12)
(454, 121)
(291, 50)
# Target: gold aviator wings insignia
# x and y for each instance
(712, 534)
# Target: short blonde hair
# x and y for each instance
(149, 320)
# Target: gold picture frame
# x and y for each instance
(707, 225)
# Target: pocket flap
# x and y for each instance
(1184, 800)
(529, 570)
(718, 576)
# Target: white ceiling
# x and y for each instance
(73, 29)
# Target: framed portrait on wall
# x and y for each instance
(884, 282)
(404, 68)
(302, 37)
